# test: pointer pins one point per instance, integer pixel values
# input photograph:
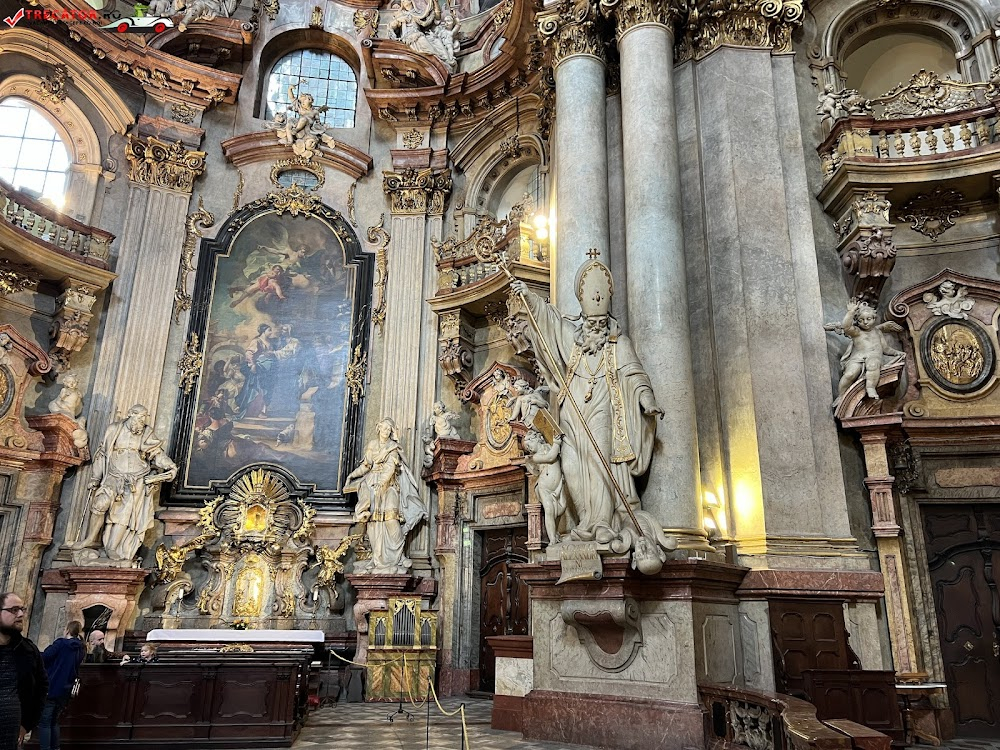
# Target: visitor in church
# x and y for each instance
(97, 653)
(147, 655)
(22, 676)
(62, 661)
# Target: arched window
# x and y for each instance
(330, 80)
(33, 156)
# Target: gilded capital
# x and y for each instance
(156, 163)
(709, 25)
(572, 29)
(415, 192)
(631, 13)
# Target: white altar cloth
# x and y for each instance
(209, 635)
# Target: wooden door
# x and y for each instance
(503, 608)
(963, 554)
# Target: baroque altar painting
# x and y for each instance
(283, 302)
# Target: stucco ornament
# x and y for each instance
(388, 502)
(953, 302)
(69, 403)
(128, 465)
(300, 126)
(868, 351)
(426, 32)
(607, 408)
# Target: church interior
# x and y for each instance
(631, 363)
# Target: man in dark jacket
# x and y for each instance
(22, 676)
(62, 660)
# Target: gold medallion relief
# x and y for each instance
(956, 354)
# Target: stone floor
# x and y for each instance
(364, 726)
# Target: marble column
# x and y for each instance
(134, 348)
(657, 284)
(581, 151)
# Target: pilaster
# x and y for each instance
(134, 347)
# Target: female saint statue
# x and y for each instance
(388, 501)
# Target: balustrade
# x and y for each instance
(49, 226)
(928, 118)
(764, 721)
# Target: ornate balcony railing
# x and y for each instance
(460, 262)
(925, 119)
(742, 718)
(49, 226)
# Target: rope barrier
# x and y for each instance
(409, 694)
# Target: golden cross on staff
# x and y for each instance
(490, 253)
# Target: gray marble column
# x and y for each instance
(657, 284)
(581, 157)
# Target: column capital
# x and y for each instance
(156, 163)
(416, 192)
(743, 23)
(572, 29)
(631, 13)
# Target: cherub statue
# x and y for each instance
(69, 403)
(867, 352)
(328, 560)
(829, 104)
(543, 462)
(438, 425)
(300, 126)
(447, 33)
(954, 301)
(528, 401)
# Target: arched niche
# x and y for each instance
(961, 27)
(497, 157)
(883, 60)
(282, 309)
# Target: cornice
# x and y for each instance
(159, 73)
(252, 148)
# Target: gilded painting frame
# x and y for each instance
(282, 298)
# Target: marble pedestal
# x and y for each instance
(116, 588)
(514, 679)
(617, 661)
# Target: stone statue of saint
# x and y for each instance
(868, 351)
(123, 484)
(388, 502)
(422, 32)
(613, 392)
